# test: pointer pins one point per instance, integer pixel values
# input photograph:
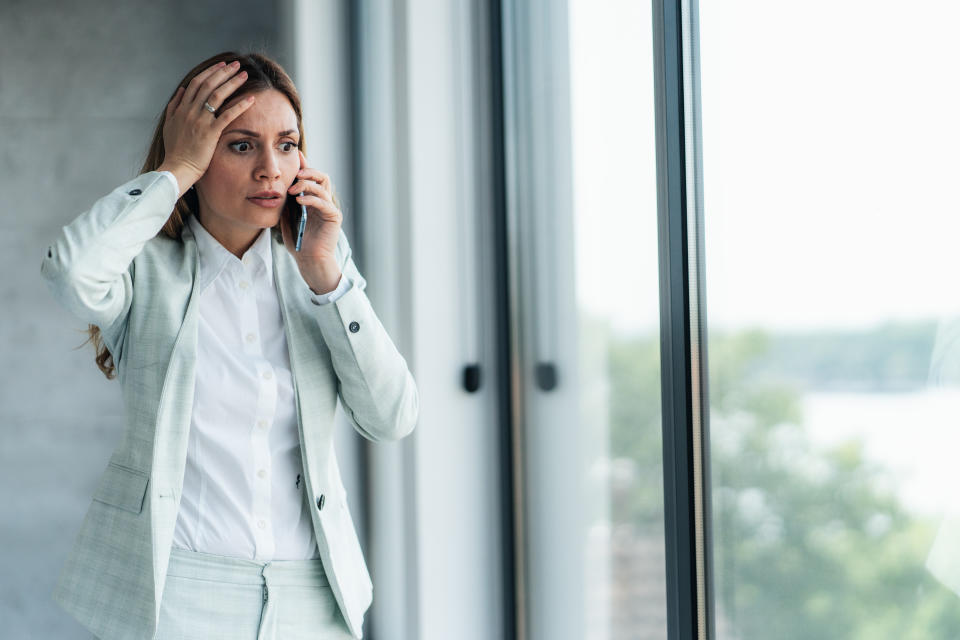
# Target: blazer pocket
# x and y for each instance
(122, 487)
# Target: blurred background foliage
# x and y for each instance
(809, 543)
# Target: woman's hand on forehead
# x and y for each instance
(191, 130)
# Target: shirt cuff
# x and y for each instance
(173, 179)
(326, 298)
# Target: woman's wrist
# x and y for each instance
(323, 281)
(185, 176)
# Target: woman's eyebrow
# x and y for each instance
(254, 134)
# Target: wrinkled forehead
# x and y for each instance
(270, 114)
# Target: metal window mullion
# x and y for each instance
(698, 316)
(682, 320)
(506, 165)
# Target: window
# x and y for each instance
(830, 222)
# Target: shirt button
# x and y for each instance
(261, 474)
(244, 284)
(267, 375)
(261, 524)
(354, 327)
(320, 502)
(262, 424)
(251, 337)
(134, 192)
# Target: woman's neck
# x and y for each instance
(237, 240)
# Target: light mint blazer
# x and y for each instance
(111, 267)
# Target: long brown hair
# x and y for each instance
(262, 74)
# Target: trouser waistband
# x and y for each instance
(200, 565)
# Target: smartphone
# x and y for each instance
(297, 217)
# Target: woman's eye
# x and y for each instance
(242, 146)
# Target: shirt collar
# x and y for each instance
(214, 256)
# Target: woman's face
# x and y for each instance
(258, 151)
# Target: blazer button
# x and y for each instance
(354, 327)
(134, 192)
(320, 502)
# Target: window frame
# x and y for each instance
(683, 323)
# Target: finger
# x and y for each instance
(191, 92)
(309, 186)
(219, 95)
(233, 112)
(325, 207)
(174, 102)
(317, 176)
(311, 174)
(215, 79)
(195, 87)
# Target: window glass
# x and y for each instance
(582, 187)
(615, 218)
(830, 170)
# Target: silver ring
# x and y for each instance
(206, 105)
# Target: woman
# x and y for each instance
(221, 513)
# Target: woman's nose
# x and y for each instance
(269, 166)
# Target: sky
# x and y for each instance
(830, 164)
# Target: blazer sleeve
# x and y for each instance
(374, 382)
(88, 265)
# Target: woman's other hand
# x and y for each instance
(190, 130)
(317, 256)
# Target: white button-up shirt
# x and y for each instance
(243, 488)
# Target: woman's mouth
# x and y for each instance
(269, 202)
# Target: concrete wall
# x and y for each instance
(81, 86)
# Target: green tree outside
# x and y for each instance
(809, 543)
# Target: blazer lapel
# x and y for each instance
(314, 380)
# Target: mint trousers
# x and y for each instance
(211, 597)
